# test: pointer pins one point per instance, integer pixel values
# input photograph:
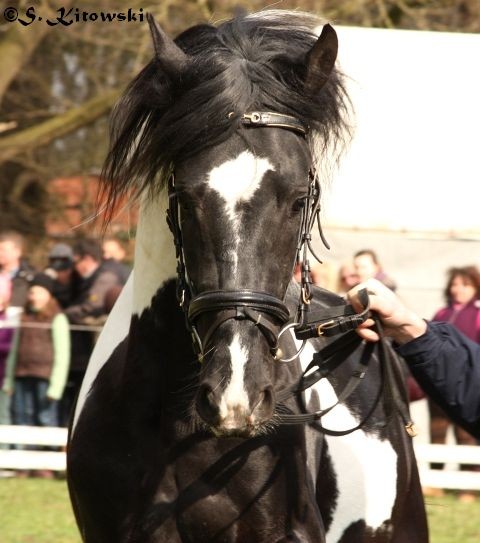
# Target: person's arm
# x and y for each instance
(445, 363)
(61, 356)
(9, 379)
(400, 322)
(6, 336)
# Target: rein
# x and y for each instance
(341, 320)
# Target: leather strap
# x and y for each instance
(269, 118)
(328, 359)
(340, 320)
(219, 300)
(258, 307)
(268, 329)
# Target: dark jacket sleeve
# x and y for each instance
(447, 366)
(94, 304)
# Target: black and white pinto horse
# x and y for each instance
(178, 434)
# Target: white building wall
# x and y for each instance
(409, 187)
(414, 163)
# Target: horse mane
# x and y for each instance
(252, 62)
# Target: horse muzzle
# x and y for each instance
(230, 412)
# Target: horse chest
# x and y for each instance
(235, 491)
(356, 475)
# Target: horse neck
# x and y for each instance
(155, 261)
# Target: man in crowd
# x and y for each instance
(60, 269)
(368, 266)
(114, 255)
(87, 308)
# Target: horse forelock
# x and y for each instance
(251, 62)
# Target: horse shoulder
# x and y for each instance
(115, 330)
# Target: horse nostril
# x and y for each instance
(207, 407)
(268, 399)
(265, 405)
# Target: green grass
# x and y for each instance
(451, 521)
(38, 511)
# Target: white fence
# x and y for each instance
(450, 477)
(33, 460)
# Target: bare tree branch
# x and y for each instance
(16, 46)
(60, 125)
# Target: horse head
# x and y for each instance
(234, 120)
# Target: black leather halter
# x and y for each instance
(267, 312)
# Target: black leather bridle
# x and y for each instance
(271, 315)
(267, 312)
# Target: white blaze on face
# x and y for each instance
(234, 404)
(365, 466)
(236, 181)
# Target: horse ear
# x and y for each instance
(170, 56)
(321, 60)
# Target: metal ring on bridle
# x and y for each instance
(280, 334)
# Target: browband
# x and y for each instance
(269, 118)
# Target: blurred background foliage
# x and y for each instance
(58, 83)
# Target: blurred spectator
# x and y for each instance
(462, 295)
(87, 308)
(60, 268)
(37, 365)
(11, 263)
(113, 259)
(347, 278)
(367, 266)
(6, 336)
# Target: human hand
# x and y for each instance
(399, 322)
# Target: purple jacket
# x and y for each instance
(6, 336)
(464, 318)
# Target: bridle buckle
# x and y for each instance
(323, 325)
(253, 117)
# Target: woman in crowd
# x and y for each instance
(462, 311)
(38, 363)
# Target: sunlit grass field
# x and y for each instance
(38, 511)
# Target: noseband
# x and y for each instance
(267, 312)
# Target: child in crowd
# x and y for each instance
(38, 363)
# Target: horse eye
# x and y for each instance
(185, 205)
(299, 204)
